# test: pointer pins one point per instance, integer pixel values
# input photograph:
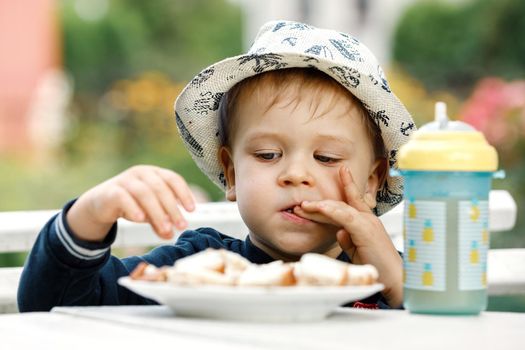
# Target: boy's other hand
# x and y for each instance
(142, 193)
(362, 234)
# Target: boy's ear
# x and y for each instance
(226, 159)
(375, 181)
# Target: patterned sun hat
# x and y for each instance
(286, 44)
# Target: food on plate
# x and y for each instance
(321, 270)
(222, 267)
(275, 273)
(199, 277)
(147, 272)
(210, 259)
(361, 275)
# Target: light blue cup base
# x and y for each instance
(445, 303)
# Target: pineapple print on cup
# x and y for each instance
(428, 277)
(412, 251)
(484, 276)
(474, 210)
(474, 253)
(485, 234)
(412, 210)
(428, 231)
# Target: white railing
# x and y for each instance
(19, 229)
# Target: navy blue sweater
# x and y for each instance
(62, 270)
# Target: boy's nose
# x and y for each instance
(294, 175)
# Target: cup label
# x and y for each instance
(473, 243)
(424, 239)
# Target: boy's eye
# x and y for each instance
(267, 155)
(325, 159)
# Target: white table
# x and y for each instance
(156, 327)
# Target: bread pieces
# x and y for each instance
(147, 272)
(225, 268)
(275, 273)
(359, 275)
(211, 266)
(198, 277)
(320, 270)
(209, 259)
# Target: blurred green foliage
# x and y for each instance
(176, 37)
(171, 39)
(454, 44)
(507, 303)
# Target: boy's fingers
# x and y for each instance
(149, 203)
(313, 215)
(116, 203)
(179, 186)
(341, 213)
(352, 193)
(130, 210)
(345, 241)
(166, 197)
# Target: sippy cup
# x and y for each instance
(448, 168)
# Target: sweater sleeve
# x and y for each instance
(62, 270)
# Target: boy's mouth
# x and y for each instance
(290, 215)
(291, 208)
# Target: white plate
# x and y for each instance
(251, 303)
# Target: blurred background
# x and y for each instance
(87, 86)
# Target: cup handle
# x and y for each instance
(394, 172)
(500, 174)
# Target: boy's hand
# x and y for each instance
(362, 235)
(141, 193)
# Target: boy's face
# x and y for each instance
(290, 153)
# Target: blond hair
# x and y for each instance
(278, 81)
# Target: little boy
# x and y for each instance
(300, 131)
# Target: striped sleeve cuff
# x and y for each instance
(66, 238)
(74, 251)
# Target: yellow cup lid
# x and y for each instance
(444, 145)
